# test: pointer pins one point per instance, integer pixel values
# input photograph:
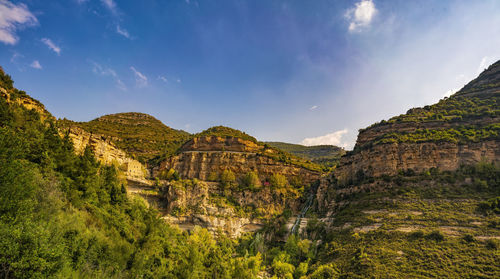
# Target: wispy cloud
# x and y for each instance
(120, 85)
(178, 80)
(140, 79)
(12, 18)
(15, 57)
(103, 71)
(162, 78)
(106, 71)
(361, 15)
(123, 32)
(111, 5)
(50, 44)
(485, 62)
(334, 138)
(313, 107)
(36, 65)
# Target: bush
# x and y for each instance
(468, 238)
(278, 181)
(325, 272)
(417, 234)
(436, 235)
(251, 181)
(491, 244)
(227, 178)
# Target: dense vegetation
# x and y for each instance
(324, 155)
(453, 109)
(67, 216)
(140, 135)
(429, 225)
(459, 134)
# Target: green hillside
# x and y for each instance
(325, 155)
(67, 216)
(469, 115)
(140, 135)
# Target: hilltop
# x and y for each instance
(140, 135)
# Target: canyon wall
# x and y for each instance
(202, 156)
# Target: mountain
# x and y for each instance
(419, 195)
(325, 155)
(461, 129)
(66, 215)
(140, 135)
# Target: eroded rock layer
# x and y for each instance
(106, 152)
(201, 157)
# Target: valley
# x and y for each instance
(418, 196)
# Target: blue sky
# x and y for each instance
(296, 71)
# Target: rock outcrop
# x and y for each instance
(460, 130)
(106, 152)
(200, 157)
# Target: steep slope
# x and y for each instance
(325, 155)
(461, 129)
(140, 135)
(419, 195)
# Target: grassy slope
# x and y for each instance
(456, 113)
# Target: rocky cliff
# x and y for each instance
(106, 152)
(231, 211)
(462, 129)
(200, 157)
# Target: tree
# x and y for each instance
(251, 181)
(227, 178)
(278, 181)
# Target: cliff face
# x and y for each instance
(206, 204)
(202, 156)
(391, 157)
(26, 101)
(461, 130)
(106, 152)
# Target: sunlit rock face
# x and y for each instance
(200, 157)
(106, 152)
(469, 118)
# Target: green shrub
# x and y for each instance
(436, 235)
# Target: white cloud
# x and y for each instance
(178, 80)
(140, 79)
(162, 78)
(15, 57)
(12, 18)
(485, 62)
(334, 138)
(313, 107)
(51, 45)
(110, 4)
(122, 31)
(121, 85)
(361, 15)
(105, 71)
(36, 65)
